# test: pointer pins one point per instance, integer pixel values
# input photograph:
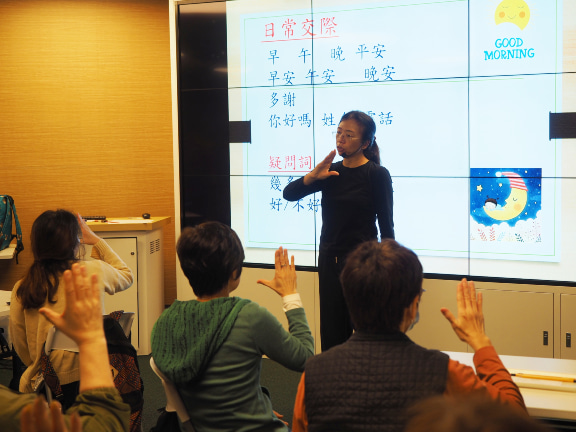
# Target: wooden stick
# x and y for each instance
(544, 377)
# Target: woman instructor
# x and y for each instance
(356, 192)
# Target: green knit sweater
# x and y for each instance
(228, 396)
(188, 334)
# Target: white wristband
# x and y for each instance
(291, 301)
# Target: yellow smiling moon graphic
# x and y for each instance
(515, 202)
(513, 11)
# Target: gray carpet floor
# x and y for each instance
(281, 382)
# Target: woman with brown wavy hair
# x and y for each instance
(57, 237)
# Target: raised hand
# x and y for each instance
(284, 282)
(41, 417)
(81, 321)
(88, 236)
(322, 170)
(469, 325)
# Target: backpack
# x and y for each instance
(7, 208)
(124, 367)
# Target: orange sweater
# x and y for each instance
(492, 379)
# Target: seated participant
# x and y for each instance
(99, 406)
(56, 238)
(469, 414)
(211, 348)
(368, 382)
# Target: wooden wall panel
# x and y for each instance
(85, 114)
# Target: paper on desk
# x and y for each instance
(544, 384)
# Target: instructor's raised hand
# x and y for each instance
(322, 170)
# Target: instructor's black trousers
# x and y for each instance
(335, 324)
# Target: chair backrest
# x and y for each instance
(126, 321)
(123, 363)
(56, 340)
(174, 402)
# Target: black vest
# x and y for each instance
(367, 383)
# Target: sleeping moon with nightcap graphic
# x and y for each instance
(515, 202)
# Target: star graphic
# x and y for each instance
(479, 188)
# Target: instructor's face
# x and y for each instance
(349, 138)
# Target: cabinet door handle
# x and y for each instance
(545, 337)
(568, 340)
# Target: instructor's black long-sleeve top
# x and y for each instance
(351, 203)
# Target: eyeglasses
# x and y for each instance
(346, 136)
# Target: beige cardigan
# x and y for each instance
(28, 328)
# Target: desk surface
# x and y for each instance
(9, 252)
(544, 399)
(115, 224)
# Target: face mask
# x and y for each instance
(416, 319)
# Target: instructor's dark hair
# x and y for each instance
(379, 281)
(55, 238)
(372, 152)
(209, 255)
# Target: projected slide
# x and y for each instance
(461, 93)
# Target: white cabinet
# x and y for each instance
(140, 244)
(127, 300)
(520, 323)
(520, 320)
(433, 331)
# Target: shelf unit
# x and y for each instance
(8, 253)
